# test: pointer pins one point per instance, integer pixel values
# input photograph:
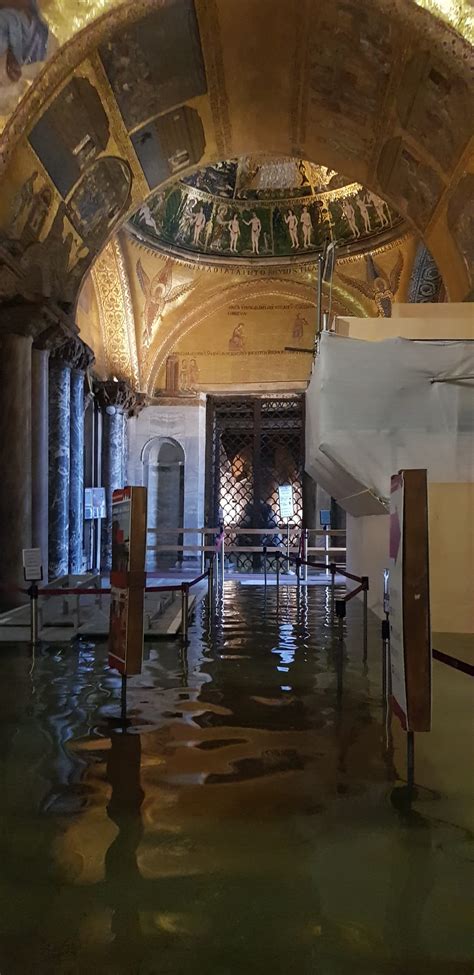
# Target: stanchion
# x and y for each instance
(365, 586)
(222, 559)
(333, 587)
(305, 554)
(298, 572)
(33, 594)
(288, 547)
(385, 644)
(265, 565)
(184, 611)
(203, 552)
(278, 571)
(210, 583)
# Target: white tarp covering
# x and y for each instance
(376, 407)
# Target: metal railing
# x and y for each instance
(227, 539)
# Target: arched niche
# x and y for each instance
(163, 461)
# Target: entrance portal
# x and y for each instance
(255, 444)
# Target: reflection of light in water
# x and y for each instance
(286, 650)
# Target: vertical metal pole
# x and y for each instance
(223, 560)
(203, 552)
(278, 571)
(287, 545)
(209, 584)
(365, 582)
(34, 613)
(305, 554)
(319, 296)
(410, 759)
(265, 565)
(123, 698)
(333, 589)
(184, 611)
(298, 572)
(326, 548)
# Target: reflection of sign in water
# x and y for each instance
(285, 495)
(32, 565)
(127, 579)
(410, 635)
(94, 503)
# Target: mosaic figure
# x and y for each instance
(380, 207)
(199, 221)
(234, 229)
(380, 287)
(237, 339)
(292, 224)
(256, 226)
(349, 213)
(307, 225)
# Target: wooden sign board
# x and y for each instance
(127, 580)
(410, 630)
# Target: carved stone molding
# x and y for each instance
(66, 347)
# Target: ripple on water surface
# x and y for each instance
(251, 818)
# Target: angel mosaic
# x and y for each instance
(158, 292)
(380, 286)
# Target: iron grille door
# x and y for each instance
(254, 445)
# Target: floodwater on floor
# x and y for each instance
(252, 817)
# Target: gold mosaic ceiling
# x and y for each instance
(263, 208)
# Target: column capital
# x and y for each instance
(117, 395)
(33, 318)
(66, 347)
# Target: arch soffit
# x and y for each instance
(396, 87)
(222, 297)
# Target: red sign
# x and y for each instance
(127, 580)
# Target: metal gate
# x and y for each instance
(254, 444)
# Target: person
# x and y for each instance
(256, 226)
(349, 213)
(24, 39)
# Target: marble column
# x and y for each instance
(39, 451)
(76, 473)
(15, 462)
(59, 475)
(117, 401)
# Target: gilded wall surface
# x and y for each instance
(174, 327)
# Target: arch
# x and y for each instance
(163, 460)
(367, 109)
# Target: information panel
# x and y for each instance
(127, 580)
(285, 495)
(410, 632)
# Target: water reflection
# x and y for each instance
(250, 818)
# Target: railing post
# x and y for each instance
(333, 568)
(184, 610)
(278, 571)
(265, 565)
(33, 593)
(222, 557)
(305, 554)
(210, 583)
(298, 571)
(123, 699)
(203, 552)
(365, 583)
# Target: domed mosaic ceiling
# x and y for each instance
(255, 208)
